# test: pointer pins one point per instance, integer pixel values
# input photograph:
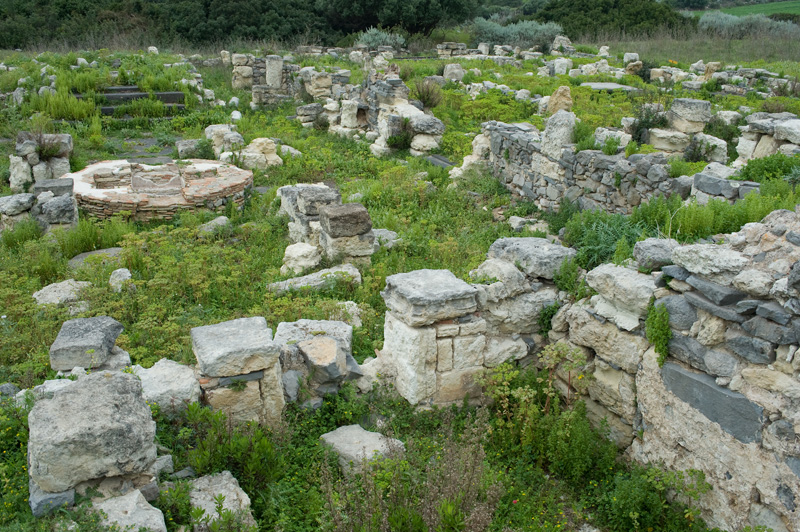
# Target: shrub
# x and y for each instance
(717, 128)
(590, 18)
(545, 320)
(773, 167)
(657, 330)
(557, 220)
(679, 166)
(428, 92)
(583, 137)
(402, 140)
(568, 279)
(647, 117)
(374, 37)
(611, 146)
(23, 231)
(525, 34)
(62, 106)
(595, 235)
(756, 26)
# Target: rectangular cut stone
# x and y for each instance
(424, 297)
(769, 331)
(235, 347)
(454, 386)
(676, 272)
(444, 354)
(348, 246)
(350, 219)
(537, 257)
(273, 71)
(473, 326)
(310, 199)
(468, 351)
(614, 389)
(720, 295)
(413, 352)
(445, 330)
(239, 405)
(58, 187)
(753, 349)
(737, 416)
(84, 342)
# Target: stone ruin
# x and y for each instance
(52, 205)
(39, 158)
(544, 167)
(160, 192)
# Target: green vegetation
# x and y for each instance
(657, 330)
(768, 168)
(767, 8)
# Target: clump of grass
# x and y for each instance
(428, 92)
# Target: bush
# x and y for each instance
(374, 37)
(750, 26)
(568, 279)
(402, 141)
(679, 166)
(525, 34)
(428, 92)
(611, 146)
(773, 167)
(584, 18)
(595, 235)
(657, 330)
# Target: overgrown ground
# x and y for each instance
(531, 462)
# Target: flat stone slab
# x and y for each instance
(108, 255)
(84, 342)
(610, 87)
(353, 444)
(132, 510)
(60, 293)
(736, 415)
(346, 273)
(235, 347)
(350, 219)
(537, 257)
(423, 297)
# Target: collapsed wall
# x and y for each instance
(725, 400)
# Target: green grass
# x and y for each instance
(792, 6)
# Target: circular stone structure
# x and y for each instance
(158, 192)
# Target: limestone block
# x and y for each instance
(345, 273)
(518, 314)
(423, 297)
(558, 133)
(766, 146)
(208, 489)
(536, 257)
(132, 510)
(614, 389)
(21, 177)
(235, 347)
(239, 405)
(347, 246)
(688, 115)
(349, 219)
(354, 445)
(560, 100)
(668, 140)
(299, 257)
(412, 352)
(84, 342)
(454, 386)
(169, 384)
(624, 294)
(499, 349)
(66, 446)
(622, 349)
(468, 351)
(716, 263)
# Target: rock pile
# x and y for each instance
(39, 157)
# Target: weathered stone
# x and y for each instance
(423, 297)
(518, 314)
(108, 255)
(20, 174)
(769, 331)
(310, 199)
(67, 446)
(688, 350)
(720, 295)
(668, 140)
(208, 489)
(131, 510)
(676, 272)
(456, 385)
(688, 115)
(326, 359)
(726, 313)
(716, 263)
(502, 348)
(622, 349)
(58, 187)
(536, 257)
(754, 282)
(773, 381)
(240, 405)
(558, 133)
(753, 349)
(61, 293)
(772, 310)
(349, 219)
(328, 278)
(508, 281)
(354, 445)
(59, 210)
(423, 124)
(118, 278)
(736, 415)
(653, 253)
(345, 247)
(84, 342)
(682, 315)
(619, 432)
(299, 257)
(560, 100)
(170, 385)
(614, 389)
(234, 347)
(16, 204)
(412, 352)
(624, 294)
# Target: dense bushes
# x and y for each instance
(760, 26)
(590, 17)
(526, 33)
(773, 167)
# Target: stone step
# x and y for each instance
(129, 96)
(108, 110)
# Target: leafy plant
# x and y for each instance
(657, 330)
(611, 145)
(428, 92)
(402, 140)
(767, 168)
(545, 319)
(568, 279)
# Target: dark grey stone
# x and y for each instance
(783, 430)
(748, 307)
(291, 384)
(714, 186)
(753, 349)
(786, 497)
(8, 389)
(720, 295)
(310, 199)
(773, 311)
(682, 186)
(681, 314)
(84, 342)
(688, 350)
(737, 416)
(794, 276)
(653, 253)
(109, 255)
(253, 376)
(702, 303)
(440, 161)
(187, 472)
(350, 219)
(721, 363)
(793, 237)
(43, 503)
(769, 331)
(794, 464)
(59, 210)
(58, 187)
(676, 272)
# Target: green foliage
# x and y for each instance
(526, 33)
(590, 18)
(568, 279)
(23, 231)
(557, 220)
(402, 140)
(595, 235)
(428, 92)
(583, 136)
(767, 168)
(733, 27)
(648, 116)
(657, 330)
(622, 252)
(678, 166)
(611, 145)
(61, 106)
(375, 37)
(718, 128)
(545, 319)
